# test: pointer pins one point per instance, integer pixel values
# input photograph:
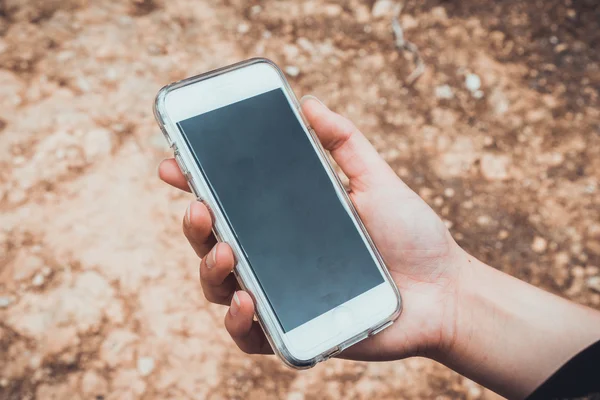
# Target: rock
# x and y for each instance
(444, 92)
(591, 270)
(145, 365)
(6, 301)
(292, 71)
(449, 192)
(578, 271)
(439, 13)
(484, 220)
(255, 10)
(243, 28)
(38, 280)
(494, 167)
(473, 82)
(593, 283)
(438, 201)
(384, 8)
(539, 244)
(503, 234)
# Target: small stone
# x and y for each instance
(292, 71)
(484, 220)
(383, 8)
(593, 283)
(449, 192)
(503, 234)
(473, 82)
(494, 167)
(578, 271)
(444, 92)
(38, 280)
(3, 382)
(468, 205)
(145, 365)
(439, 13)
(6, 301)
(438, 201)
(539, 244)
(255, 10)
(243, 28)
(448, 224)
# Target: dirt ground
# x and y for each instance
(98, 289)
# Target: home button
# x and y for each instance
(342, 317)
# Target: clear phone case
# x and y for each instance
(222, 231)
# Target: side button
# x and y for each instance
(179, 161)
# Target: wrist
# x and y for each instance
(508, 335)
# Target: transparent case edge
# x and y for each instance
(242, 270)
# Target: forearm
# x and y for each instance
(510, 336)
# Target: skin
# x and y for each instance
(482, 323)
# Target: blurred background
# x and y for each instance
(99, 297)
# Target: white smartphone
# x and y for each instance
(302, 253)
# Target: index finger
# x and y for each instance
(169, 171)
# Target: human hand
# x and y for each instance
(422, 257)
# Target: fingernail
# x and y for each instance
(188, 214)
(211, 259)
(235, 305)
(309, 97)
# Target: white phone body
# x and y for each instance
(331, 332)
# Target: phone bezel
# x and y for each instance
(332, 331)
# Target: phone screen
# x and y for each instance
(300, 241)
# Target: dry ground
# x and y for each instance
(98, 290)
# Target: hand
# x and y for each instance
(422, 257)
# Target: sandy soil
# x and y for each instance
(98, 290)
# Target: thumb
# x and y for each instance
(350, 149)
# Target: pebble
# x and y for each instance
(449, 192)
(444, 92)
(578, 271)
(594, 283)
(539, 244)
(292, 71)
(6, 301)
(243, 28)
(484, 220)
(145, 365)
(494, 167)
(503, 234)
(255, 9)
(473, 82)
(383, 8)
(38, 280)
(438, 201)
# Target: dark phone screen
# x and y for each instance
(298, 238)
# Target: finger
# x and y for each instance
(169, 171)
(350, 149)
(244, 331)
(197, 227)
(216, 279)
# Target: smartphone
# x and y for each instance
(302, 252)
